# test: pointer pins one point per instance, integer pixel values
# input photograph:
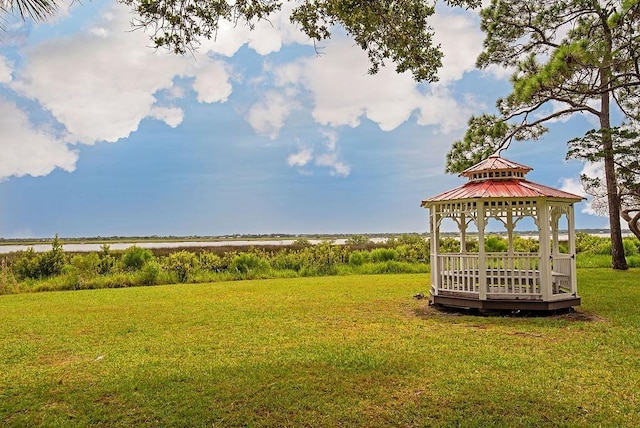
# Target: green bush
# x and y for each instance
(406, 239)
(211, 262)
(525, 245)
(52, 262)
(495, 244)
(33, 265)
(603, 248)
(358, 258)
(322, 259)
(249, 265)
(87, 265)
(633, 261)
(134, 258)
(149, 273)
(586, 243)
(107, 261)
(630, 246)
(380, 255)
(182, 264)
(27, 265)
(449, 245)
(287, 260)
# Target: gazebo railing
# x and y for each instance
(507, 275)
(458, 273)
(561, 272)
(516, 274)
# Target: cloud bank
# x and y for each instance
(100, 82)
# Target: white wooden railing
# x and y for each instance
(561, 271)
(516, 274)
(458, 272)
(507, 276)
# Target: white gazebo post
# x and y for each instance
(572, 248)
(434, 239)
(545, 255)
(482, 258)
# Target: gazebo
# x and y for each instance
(506, 280)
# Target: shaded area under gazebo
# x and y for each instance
(497, 189)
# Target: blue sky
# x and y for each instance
(253, 133)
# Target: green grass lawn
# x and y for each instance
(336, 351)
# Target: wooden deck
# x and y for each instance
(526, 304)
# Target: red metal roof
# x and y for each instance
(495, 163)
(513, 188)
(500, 185)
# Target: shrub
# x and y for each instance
(358, 258)
(27, 265)
(211, 262)
(633, 261)
(134, 258)
(495, 244)
(449, 245)
(52, 262)
(525, 245)
(249, 264)
(380, 255)
(322, 259)
(182, 264)
(107, 261)
(630, 247)
(603, 247)
(149, 273)
(287, 260)
(87, 265)
(592, 244)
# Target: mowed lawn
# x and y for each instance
(335, 351)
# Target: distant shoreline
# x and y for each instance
(249, 237)
(153, 242)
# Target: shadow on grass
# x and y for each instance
(429, 311)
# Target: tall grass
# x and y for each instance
(333, 351)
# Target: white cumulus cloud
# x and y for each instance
(300, 158)
(324, 155)
(574, 185)
(266, 37)
(5, 70)
(212, 83)
(27, 150)
(172, 116)
(460, 38)
(343, 93)
(99, 83)
(267, 116)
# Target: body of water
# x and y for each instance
(88, 247)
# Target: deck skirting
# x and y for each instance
(468, 302)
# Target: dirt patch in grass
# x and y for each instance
(579, 316)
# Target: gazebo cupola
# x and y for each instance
(497, 188)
